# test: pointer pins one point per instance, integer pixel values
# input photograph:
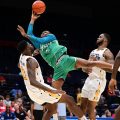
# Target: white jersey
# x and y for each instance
(96, 81)
(99, 55)
(38, 95)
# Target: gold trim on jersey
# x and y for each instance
(97, 93)
(23, 73)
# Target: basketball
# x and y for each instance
(38, 7)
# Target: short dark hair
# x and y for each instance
(21, 46)
(107, 37)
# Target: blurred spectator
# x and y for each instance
(19, 101)
(2, 81)
(107, 113)
(19, 93)
(113, 114)
(15, 92)
(12, 109)
(20, 112)
(7, 100)
(101, 101)
(8, 115)
(49, 79)
(1, 97)
(2, 106)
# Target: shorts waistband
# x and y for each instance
(60, 58)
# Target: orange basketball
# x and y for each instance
(38, 7)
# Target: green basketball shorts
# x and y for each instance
(65, 64)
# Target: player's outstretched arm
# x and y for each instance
(116, 66)
(22, 31)
(31, 68)
(109, 58)
(34, 17)
(113, 82)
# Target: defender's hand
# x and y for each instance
(87, 70)
(112, 85)
(36, 52)
(21, 30)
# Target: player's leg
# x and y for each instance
(91, 109)
(84, 103)
(61, 70)
(58, 83)
(117, 114)
(85, 95)
(60, 74)
(96, 88)
(50, 110)
(85, 63)
(72, 105)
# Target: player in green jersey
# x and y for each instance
(56, 55)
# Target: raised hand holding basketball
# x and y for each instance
(38, 7)
(34, 16)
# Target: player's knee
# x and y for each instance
(51, 111)
(83, 108)
(69, 99)
(90, 112)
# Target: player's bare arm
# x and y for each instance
(113, 81)
(22, 31)
(88, 70)
(34, 17)
(116, 66)
(100, 64)
(36, 52)
(31, 67)
(109, 58)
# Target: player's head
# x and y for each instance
(103, 38)
(25, 47)
(44, 33)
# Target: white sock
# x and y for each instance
(55, 116)
(83, 118)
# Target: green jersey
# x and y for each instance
(51, 52)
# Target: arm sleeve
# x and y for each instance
(46, 39)
(37, 40)
(30, 29)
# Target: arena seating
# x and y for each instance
(75, 118)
